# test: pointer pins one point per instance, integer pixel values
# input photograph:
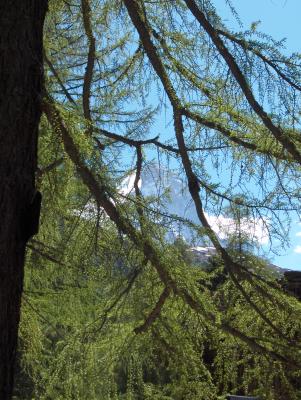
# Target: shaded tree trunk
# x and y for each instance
(21, 74)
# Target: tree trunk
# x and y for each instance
(21, 74)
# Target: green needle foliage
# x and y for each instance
(112, 308)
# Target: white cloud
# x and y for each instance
(298, 234)
(254, 228)
(297, 249)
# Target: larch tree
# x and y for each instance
(21, 76)
(230, 102)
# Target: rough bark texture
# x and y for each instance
(21, 73)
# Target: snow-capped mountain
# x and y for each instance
(175, 200)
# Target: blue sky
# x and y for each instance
(280, 19)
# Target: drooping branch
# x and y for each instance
(137, 143)
(139, 20)
(138, 193)
(253, 344)
(57, 77)
(45, 255)
(231, 266)
(240, 202)
(141, 24)
(246, 45)
(145, 244)
(98, 188)
(48, 168)
(41, 316)
(256, 308)
(154, 314)
(217, 126)
(86, 11)
(103, 318)
(279, 134)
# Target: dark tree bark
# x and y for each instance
(21, 75)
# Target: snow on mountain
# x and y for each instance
(157, 181)
(127, 185)
(201, 254)
(175, 200)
